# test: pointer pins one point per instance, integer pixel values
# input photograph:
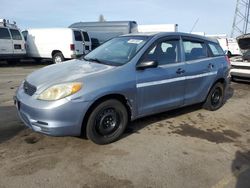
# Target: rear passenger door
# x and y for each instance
(5, 42)
(79, 49)
(18, 42)
(200, 70)
(161, 88)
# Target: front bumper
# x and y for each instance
(240, 74)
(58, 118)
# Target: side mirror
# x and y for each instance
(146, 64)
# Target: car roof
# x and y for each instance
(163, 34)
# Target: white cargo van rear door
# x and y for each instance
(5, 42)
(78, 41)
(87, 42)
(18, 42)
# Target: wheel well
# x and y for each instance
(221, 80)
(54, 52)
(118, 97)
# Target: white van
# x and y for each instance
(57, 44)
(12, 44)
(229, 45)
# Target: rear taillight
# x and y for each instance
(72, 47)
(228, 60)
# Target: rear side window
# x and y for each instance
(85, 36)
(15, 34)
(194, 50)
(4, 33)
(216, 49)
(78, 36)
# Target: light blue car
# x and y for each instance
(124, 79)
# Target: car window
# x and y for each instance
(4, 33)
(15, 34)
(164, 52)
(78, 36)
(85, 36)
(216, 49)
(194, 50)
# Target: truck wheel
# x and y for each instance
(58, 57)
(107, 122)
(215, 97)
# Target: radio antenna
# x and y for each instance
(195, 23)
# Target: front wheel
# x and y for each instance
(107, 122)
(58, 57)
(215, 97)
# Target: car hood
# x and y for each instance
(68, 71)
(244, 42)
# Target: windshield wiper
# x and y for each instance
(93, 59)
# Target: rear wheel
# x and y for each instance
(107, 122)
(58, 57)
(215, 97)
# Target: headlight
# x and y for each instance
(60, 91)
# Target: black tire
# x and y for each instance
(58, 57)
(215, 98)
(107, 122)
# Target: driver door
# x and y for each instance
(163, 87)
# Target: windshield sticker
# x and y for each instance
(134, 41)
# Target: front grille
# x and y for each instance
(28, 88)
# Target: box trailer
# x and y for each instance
(158, 28)
(100, 32)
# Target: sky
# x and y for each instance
(214, 16)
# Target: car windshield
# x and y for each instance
(117, 51)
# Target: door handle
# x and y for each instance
(210, 66)
(180, 71)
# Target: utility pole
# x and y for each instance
(241, 18)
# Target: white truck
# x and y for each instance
(57, 44)
(158, 28)
(240, 65)
(12, 44)
(229, 45)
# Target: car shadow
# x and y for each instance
(10, 124)
(241, 169)
(135, 126)
(229, 93)
(24, 63)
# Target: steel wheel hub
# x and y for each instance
(107, 122)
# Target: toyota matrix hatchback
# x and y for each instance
(126, 78)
